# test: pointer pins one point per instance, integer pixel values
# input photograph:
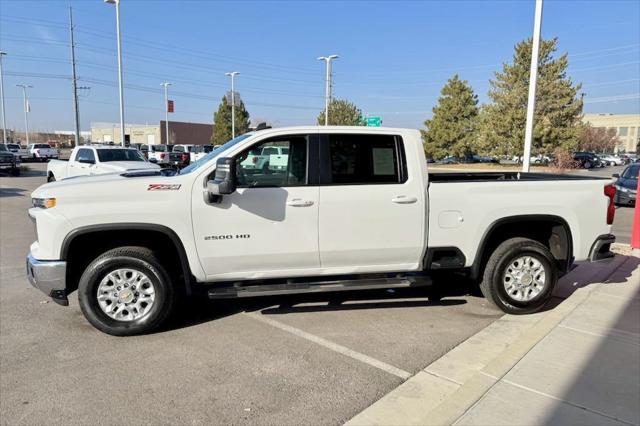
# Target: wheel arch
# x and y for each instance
(551, 230)
(79, 247)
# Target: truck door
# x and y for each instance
(371, 209)
(269, 226)
(83, 163)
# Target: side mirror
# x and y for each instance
(224, 181)
(615, 175)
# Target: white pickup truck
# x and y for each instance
(355, 208)
(42, 152)
(96, 160)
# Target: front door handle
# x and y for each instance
(403, 199)
(297, 202)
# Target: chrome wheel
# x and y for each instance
(524, 278)
(126, 294)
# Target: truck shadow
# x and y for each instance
(197, 309)
(586, 274)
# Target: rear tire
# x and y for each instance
(520, 276)
(110, 300)
(588, 165)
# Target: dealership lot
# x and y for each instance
(316, 359)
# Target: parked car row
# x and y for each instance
(174, 156)
(34, 151)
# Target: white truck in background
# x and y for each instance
(18, 150)
(96, 160)
(42, 152)
(353, 208)
(267, 158)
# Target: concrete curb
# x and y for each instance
(446, 389)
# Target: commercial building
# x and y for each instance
(179, 133)
(627, 128)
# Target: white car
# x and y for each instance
(157, 153)
(265, 159)
(18, 150)
(200, 151)
(96, 160)
(354, 208)
(611, 160)
(42, 152)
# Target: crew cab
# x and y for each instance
(42, 151)
(354, 208)
(96, 160)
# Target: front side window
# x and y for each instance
(364, 159)
(631, 172)
(86, 155)
(266, 164)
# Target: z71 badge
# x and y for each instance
(163, 187)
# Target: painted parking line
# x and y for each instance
(332, 346)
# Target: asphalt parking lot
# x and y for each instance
(316, 359)
(307, 359)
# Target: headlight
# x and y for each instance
(621, 188)
(43, 203)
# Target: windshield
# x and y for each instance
(42, 145)
(631, 172)
(158, 148)
(13, 146)
(197, 164)
(107, 155)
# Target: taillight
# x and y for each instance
(38, 151)
(610, 191)
(162, 156)
(255, 160)
(185, 157)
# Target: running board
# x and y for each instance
(315, 287)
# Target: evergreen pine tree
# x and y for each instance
(222, 121)
(451, 130)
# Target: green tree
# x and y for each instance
(222, 121)
(342, 113)
(558, 107)
(452, 129)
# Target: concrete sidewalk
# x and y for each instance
(576, 363)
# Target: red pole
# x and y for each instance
(635, 226)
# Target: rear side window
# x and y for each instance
(364, 159)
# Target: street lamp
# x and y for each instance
(26, 108)
(233, 102)
(166, 109)
(533, 78)
(120, 84)
(4, 119)
(327, 89)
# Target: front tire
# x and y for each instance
(126, 292)
(520, 276)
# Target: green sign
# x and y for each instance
(373, 121)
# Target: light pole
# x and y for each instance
(233, 102)
(120, 83)
(26, 108)
(4, 119)
(327, 88)
(533, 78)
(166, 109)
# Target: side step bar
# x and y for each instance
(239, 290)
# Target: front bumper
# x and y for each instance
(601, 248)
(49, 276)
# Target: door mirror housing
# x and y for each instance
(224, 180)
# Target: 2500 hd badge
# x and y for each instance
(226, 237)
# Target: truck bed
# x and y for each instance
(439, 177)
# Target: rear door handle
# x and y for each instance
(297, 202)
(403, 199)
